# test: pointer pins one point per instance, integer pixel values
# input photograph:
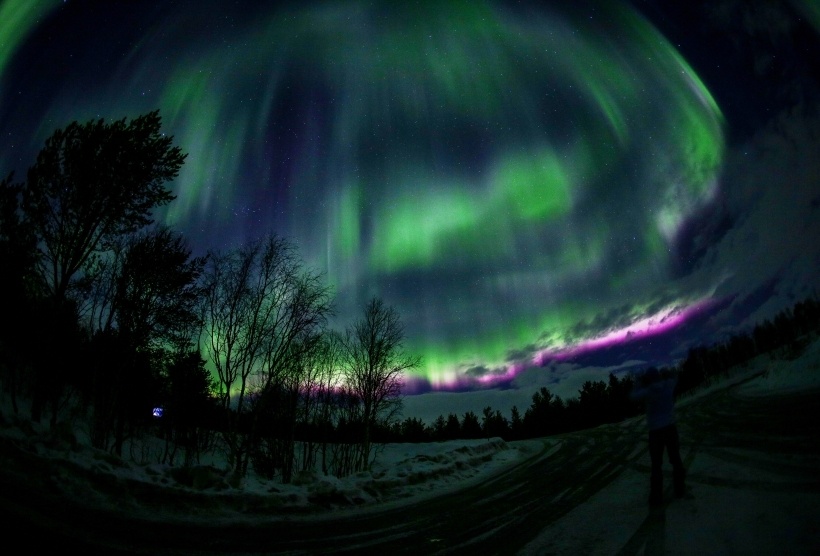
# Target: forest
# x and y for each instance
(110, 319)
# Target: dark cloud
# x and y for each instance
(480, 371)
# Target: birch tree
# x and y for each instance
(375, 365)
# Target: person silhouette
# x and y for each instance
(658, 391)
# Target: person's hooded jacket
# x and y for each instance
(659, 393)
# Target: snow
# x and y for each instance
(744, 504)
(787, 376)
(737, 507)
(400, 472)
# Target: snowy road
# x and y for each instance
(753, 478)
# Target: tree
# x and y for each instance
(439, 426)
(156, 291)
(154, 309)
(620, 404)
(594, 403)
(470, 426)
(319, 404)
(18, 244)
(375, 364)
(516, 423)
(413, 429)
(18, 251)
(452, 429)
(188, 406)
(493, 424)
(537, 417)
(263, 316)
(91, 184)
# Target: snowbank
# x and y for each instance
(783, 376)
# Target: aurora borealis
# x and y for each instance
(522, 181)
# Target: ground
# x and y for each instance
(750, 442)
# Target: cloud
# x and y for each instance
(773, 187)
(478, 371)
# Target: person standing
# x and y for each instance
(657, 390)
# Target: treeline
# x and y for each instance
(110, 320)
(600, 402)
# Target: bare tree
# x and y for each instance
(233, 317)
(375, 365)
(292, 338)
(262, 313)
(320, 384)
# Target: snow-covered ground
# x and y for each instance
(400, 472)
(741, 500)
(784, 376)
(723, 515)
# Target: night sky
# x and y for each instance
(546, 194)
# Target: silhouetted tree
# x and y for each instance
(807, 315)
(453, 428)
(318, 399)
(154, 308)
(493, 424)
(349, 431)
(157, 290)
(516, 423)
(105, 352)
(594, 403)
(263, 314)
(298, 306)
(413, 429)
(470, 426)
(545, 414)
(439, 426)
(91, 184)
(375, 362)
(620, 404)
(189, 406)
(20, 286)
(573, 415)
